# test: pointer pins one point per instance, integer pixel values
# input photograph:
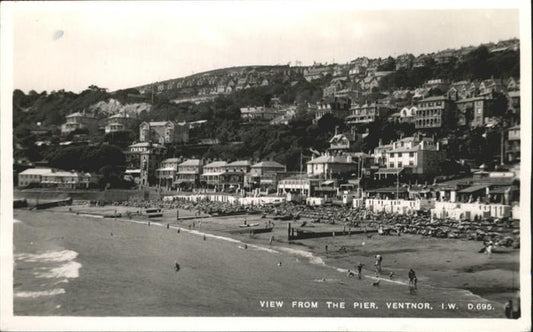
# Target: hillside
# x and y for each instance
(218, 95)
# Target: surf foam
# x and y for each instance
(67, 270)
(52, 292)
(49, 256)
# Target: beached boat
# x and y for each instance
(249, 225)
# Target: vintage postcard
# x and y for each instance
(220, 165)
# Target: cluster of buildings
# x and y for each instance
(224, 81)
(439, 104)
(275, 115)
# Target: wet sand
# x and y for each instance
(131, 271)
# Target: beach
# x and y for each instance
(124, 267)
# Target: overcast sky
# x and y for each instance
(73, 45)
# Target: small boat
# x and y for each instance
(249, 225)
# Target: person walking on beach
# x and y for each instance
(176, 266)
(488, 249)
(412, 279)
(359, 270)
(379, 259)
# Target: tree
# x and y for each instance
(498, 106)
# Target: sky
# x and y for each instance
(119, 45)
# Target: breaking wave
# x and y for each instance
(49, 256)
(67, 270)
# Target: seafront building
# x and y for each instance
(188, 175)
(54, 178)
(166, 173)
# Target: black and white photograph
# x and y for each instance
(266, 165)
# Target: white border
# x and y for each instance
(8, 322)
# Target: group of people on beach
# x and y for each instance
(378, 266)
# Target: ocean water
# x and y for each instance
(81, 266)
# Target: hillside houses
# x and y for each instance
(163, 132)
(80, 121)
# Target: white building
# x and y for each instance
(49, 177)
(166, 173)
(77, 121)
(328, 166)
(420, 155)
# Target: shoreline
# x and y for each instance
(334, 259)
(297, 254)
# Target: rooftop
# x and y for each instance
(239, 163)
(268, 163)
(331, 160)
(191, 162)
(216, 164)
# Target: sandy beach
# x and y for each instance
(123, 267)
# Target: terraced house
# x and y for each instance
(212, 174)
(188, 175)
(264, 175)
(166, 173)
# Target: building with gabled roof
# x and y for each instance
(163, 132)
(78, 121)
(329, 166)
(51, 177)
(264, 175)
(188, 175)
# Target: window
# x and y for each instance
(411, 163)
(411, 154)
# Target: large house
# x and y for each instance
(366, 113)
(328, 167)
(79, 120)
(258, 113)
(166, 173)
(434, 112)
(264, 175)
(188, 175)
(212, 174)
(49, 177)
(421, 156)
(163, 132)
(118, 122)
(233, 177)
